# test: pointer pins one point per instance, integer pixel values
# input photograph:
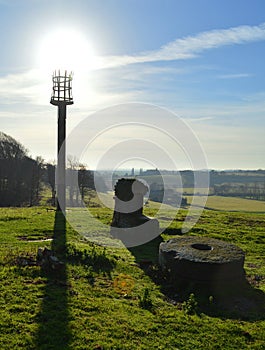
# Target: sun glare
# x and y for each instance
(66, 49)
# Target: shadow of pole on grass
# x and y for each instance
(54, 332)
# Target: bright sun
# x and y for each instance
(66, 49)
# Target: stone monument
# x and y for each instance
(129, 224)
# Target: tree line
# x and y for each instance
(255, 190)
(22, 179)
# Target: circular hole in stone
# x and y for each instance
(201, 246)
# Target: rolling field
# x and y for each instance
(232, 204)
(116, 298)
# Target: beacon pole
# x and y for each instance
(61, 97)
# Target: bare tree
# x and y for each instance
(72, 167)
(51, 180)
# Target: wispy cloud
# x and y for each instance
(22, 87)
(235, 76)
(190, 46)
(225, 113)
(31, 86)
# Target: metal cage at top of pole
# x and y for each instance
(62, 88)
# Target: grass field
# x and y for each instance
(116, 298)
(232, 204)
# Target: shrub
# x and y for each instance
(145, 302)
(190, 306)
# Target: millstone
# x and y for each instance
(201, 259)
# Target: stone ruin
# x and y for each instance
(129, 224)
(129, 197)
(202, 260)
(187, 258)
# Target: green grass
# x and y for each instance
(98, 299)
(233, 204)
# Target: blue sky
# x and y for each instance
(201, 59)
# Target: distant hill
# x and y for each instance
(248, 184)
